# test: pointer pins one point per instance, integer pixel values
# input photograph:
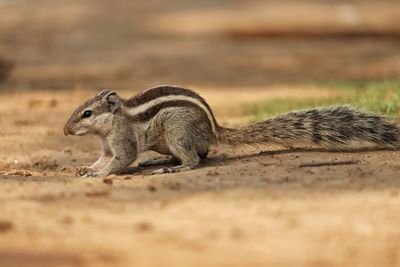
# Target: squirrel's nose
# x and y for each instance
(67, 130)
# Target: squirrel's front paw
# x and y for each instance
(86, 172)
(82, 171)
(90, 174)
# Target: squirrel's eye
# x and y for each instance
(87, 114)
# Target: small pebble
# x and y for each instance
(152, 188)
(108, 181)
(143, 226)
(6, 226)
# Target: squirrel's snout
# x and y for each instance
(67, 130)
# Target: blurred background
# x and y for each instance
(60, 44)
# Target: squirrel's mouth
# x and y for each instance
(81, 132)
(69, 131)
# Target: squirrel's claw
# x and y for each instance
(174, 169)
(89, 174)
(81, 171)
(85, 172)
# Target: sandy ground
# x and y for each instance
(239, 208)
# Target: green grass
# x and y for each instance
(381, 97)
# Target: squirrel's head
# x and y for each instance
(95, 116)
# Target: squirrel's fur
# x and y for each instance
(178, 122)
(332, 127)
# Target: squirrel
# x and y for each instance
(178, 122)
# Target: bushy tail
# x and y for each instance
(333, 127)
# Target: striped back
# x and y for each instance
(147, 104)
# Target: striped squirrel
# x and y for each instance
(178, 122)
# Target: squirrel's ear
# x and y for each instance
(103, 92)
(112, 99)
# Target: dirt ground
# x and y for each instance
(239, 208)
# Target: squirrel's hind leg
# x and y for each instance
(187, 134)
(173, 169)
(157, 162)
(188, 157)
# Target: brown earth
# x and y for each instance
(239, 208)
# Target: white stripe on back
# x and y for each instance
(133, 111)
